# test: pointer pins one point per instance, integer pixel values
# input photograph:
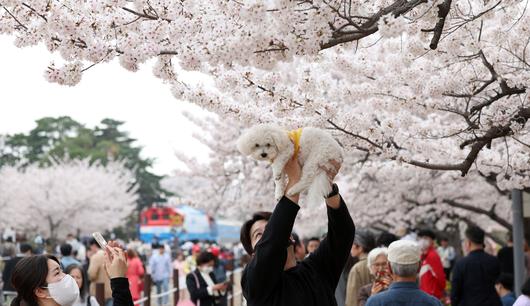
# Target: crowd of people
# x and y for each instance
(474, 276)
(346, 267)
(84, 261)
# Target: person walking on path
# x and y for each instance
(25, 251)
(474, 276)
(76, 271)
(504, 287)
(505, 256)
(359, 275)
(67, 259)
(96, 271)
(273, 277)
(432, 275)
(524, 298)
(378, 265)
(447, 255)
(404, 264)
(161, 268)
(202, 283)
(135, 272)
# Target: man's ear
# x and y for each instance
(41, 293)
(390, 268)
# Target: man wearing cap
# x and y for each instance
(404, 264)
(474, 276)
(432, 275)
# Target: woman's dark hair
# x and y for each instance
(29, 274)
(84, 284)
(204, 257)
(526, 288)
(245, 229)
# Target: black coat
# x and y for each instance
(201, 294)
(8, 271)
(121, 294)
(311, 282)
(473, 280)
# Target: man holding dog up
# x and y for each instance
(273, 276)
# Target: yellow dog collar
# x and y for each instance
(295, 136)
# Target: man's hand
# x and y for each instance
(294, 173)
(333, 202)
(115, 260)
(333, 171)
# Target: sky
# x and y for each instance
(151, 114)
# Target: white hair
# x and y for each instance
(372, 256)
(408, 270)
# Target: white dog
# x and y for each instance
(313, 147)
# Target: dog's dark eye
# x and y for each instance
(257, 145)
(268, 145)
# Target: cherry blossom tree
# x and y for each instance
(435, 84)
(381, 195)
(68, 196)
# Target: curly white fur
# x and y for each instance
(317, 147)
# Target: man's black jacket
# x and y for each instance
(473, 280)
(312, 282)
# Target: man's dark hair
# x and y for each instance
(506, 280)
(296, 239)
(204, 257)
(94, 242)
(245, 229)
(365, 239)
(313, 239)
(526, 288)
(427, 233)
(66, 249)
(24, 248)
(385, 239)
(443, 238)
(475, 234)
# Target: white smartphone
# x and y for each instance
(99, 239)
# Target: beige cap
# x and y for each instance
(404, 252)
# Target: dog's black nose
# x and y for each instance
(263, 155)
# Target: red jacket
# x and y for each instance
(432, 275)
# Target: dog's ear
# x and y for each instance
(243, 143)
(281, 139)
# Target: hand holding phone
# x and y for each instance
(100, 240)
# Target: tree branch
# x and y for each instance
(489, 213)
(369, 27)
(23, 26)
(443, 11)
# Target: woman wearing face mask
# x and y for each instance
(201, 283)
(39, 280)
(80, 278)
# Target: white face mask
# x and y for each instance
(206, 269)
(65, 292)
(424, 244)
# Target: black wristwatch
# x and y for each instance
(334, 191)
